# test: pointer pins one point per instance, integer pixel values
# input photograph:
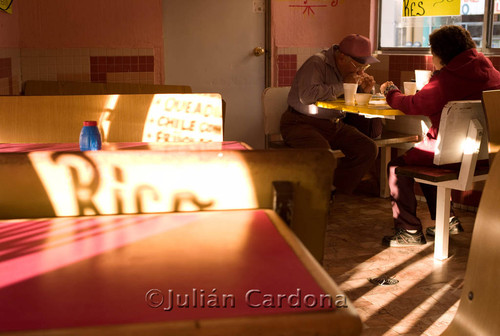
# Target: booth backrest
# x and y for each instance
(47, 184)
(121, 117)
(48, 88)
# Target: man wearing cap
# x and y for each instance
(321, 78)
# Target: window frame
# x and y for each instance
(486, 39)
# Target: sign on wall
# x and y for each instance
(184, 118)
(473, 7)
(431, 8)
(6, 6)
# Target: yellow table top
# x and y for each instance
(375, 107)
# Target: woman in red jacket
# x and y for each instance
(462, 73)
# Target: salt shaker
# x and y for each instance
(90, 137)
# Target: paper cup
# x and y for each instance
(410, 88)
(422, 77)
(349, 91)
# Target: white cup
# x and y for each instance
(422, 77)
(349, 91)
(410, 88)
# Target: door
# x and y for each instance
(209, 45)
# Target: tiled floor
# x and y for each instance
(426, 297)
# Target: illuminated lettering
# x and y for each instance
(84, 190)
(190, 125)
(141, 193)
(162, 137)
(204, 127)
(119, 193)
(209, 110)
(198, 108)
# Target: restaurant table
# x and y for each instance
(170, 146)
(238, 272)
(390, 137)
(376, 108)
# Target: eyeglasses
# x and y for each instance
(361, 67)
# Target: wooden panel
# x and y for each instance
(491, 104)
(44, 184)
(48, 88)
(122, 118)
(477, 313)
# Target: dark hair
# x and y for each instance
(449, 41)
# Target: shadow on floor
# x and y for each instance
(426, 297)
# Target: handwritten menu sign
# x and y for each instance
(184, 118)
(431, 8)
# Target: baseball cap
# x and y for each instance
(359, 48)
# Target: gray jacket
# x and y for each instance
(318, 79)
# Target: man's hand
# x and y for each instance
(366, 82)
(352, 77)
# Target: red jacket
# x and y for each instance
(464, 78)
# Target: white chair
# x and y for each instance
(462, 138)
(274, 100)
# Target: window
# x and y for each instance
(412, 29)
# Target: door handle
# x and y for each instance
(259, 51)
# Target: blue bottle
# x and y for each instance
(90, 137)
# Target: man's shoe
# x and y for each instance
(455, 227)
(404, 238)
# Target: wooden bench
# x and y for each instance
(462, 139)
(48, 184)
(274, 100)
(56, 88)
(479, 306)
(121, 117)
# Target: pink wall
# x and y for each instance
(9, 28)
(90, 23)
(300, 28)
(318, 23)
(73, 40)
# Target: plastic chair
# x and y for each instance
(274, 100)
(462, 138)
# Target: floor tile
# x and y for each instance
(427, 295)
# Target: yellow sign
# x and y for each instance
(6, 6)
(431, 7)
